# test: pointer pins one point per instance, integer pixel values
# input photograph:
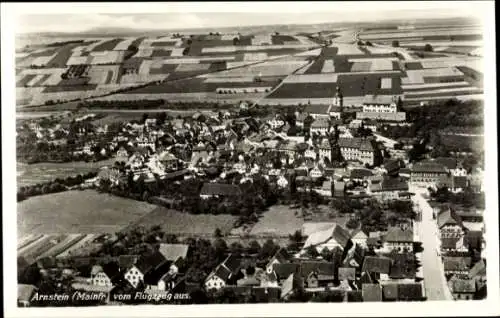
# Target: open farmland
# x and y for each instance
(31, 174)
(175, 222)
(78, 212)
(278, 220)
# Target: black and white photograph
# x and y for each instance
(298, 158)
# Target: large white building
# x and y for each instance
(357, 149)
(380, 104)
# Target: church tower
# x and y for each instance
(338, 100)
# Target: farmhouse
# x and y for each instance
(462, 289)
(381, 116)
(389, 188)
(280, 257)
(335, 236)
(320, 126)
(223, 273)
(318, 111)
(377, 267)
(451, 230)
(398, 239)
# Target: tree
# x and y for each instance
(269, 249)
(254, 247)
(311, 252)
(395, 43)
(326, 254)
(428, 48)
(352, 224)
(218, 233)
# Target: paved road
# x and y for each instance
(432, 266)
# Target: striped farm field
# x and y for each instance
(73, 249)
(78, 212)
(421, 33)
(107, 45)
(63, 245)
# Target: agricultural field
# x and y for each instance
(278, 220)
(31, 174)
(212, 66)
(81, 212)
(175, 222)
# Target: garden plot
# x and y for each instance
(42, 60)
(262, 39)
(38, 80)
(177, 52)
(83, 243)
(144, 52)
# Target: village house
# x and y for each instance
(478, 274)
(299, 119)
(427, 174)
(377, 267)
(380, 104)
(390, 188)
(280, 257)
(224, 273)
(358, 237)
(451, 230)
(320, 126)
(104, 275)
(276, 121)
(398, 239)
(317, 274)
(462, 289)
(372, 292)
(334, 236)
(457, 265)
(318, 111)
(325, 151)
(357, 149)
(145, 266)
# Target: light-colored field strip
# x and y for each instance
(24, 241)
(144, 52)
(145, 67)
(328, 67)
(99, 73)
(361, 67)
(123, 45)
(238, 64)
(192, 67)
(442, 90)
(91, 46)
(249, 89)
(311, 78)
(381, 65)
(81, 244)
(42, 60)
(255, 56)
(221, 49)
(141, 78)
(304, 40)
(347, 49)
(107, 57)
(434, 85)
(440, 43)
(242, 79)
(35, 80)
(33, 245)
(421, 28)
(263, 69)
(261, 39)
(68, 239)
(314, 52)
(177, 52)
(77, 59)
(421, 33)
(444, 97)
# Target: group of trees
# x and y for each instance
(57, 185)
(467, 198)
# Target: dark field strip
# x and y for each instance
(305, 90)
(163, 43)
(316, 67)
(341, 64)
(329, 52)
(57, 89)
(281, 39)
(196, 85)
(413, 66)
(161, 53)
(62, 56)
(47, 52)
(25, 80)
(218, 66)
(107, 46)
(441, 94)
(138, 41)
(164, 69)
(109, 76)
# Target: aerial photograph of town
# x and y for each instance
(285, 162)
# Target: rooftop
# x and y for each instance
(317, 109)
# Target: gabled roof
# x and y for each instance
(284, 270)
(479, 269)
(172, 252)
(390, 291)
(150, 262)
(318, 267)
(336, 232)
(222, 272)
(372, 292)
(232, 263)
(456, 263)
(360, 173)
(448, 217)
(317, 109)
(377, 264)
(282, 255)
(428, 167)
(396, 234)
(410, 291)
(449, 163)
